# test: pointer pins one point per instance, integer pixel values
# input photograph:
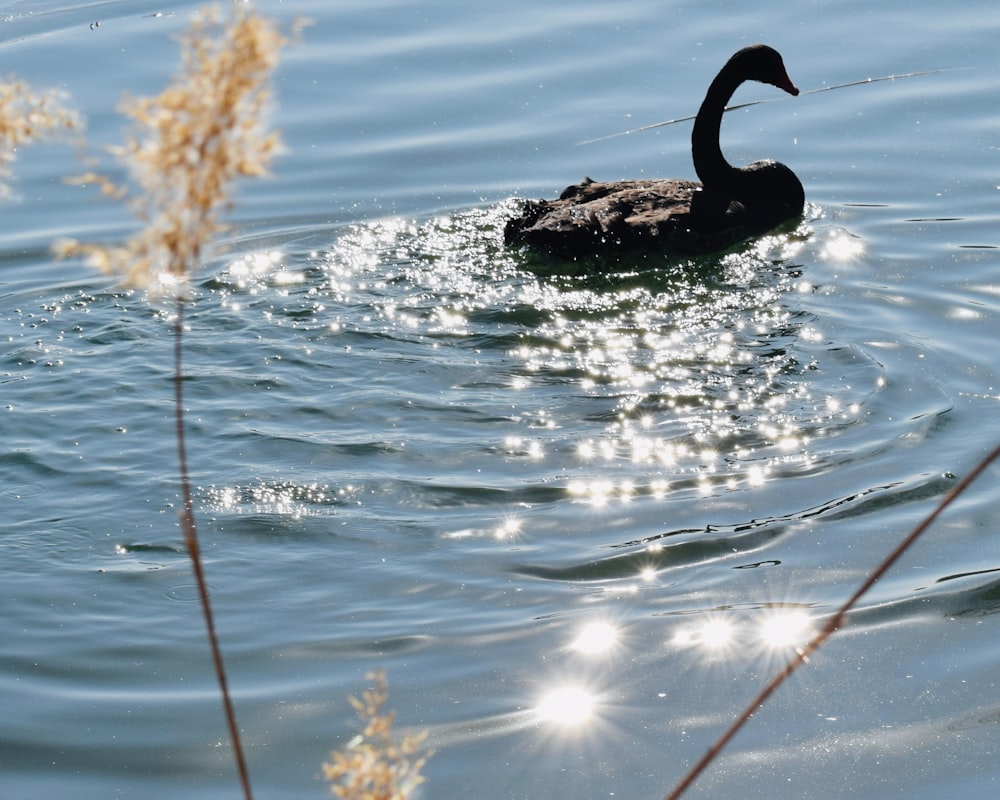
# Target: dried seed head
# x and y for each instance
(189, 144)
(376, 765)
(26, 116)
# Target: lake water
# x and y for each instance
(413, 453)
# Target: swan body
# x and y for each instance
(683, 217)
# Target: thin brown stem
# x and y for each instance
(832, 625)
(191, 540)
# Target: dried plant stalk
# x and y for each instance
(27, 116)
(188, 145)
(186, 148)
(375, 765)
(833, 624)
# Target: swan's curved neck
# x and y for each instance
(709, 163)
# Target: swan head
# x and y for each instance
(762, 63)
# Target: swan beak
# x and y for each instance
(786, 84)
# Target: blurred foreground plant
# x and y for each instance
(26, 116)
(187, 147)
(375, 765)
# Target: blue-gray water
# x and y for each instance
(411, 453)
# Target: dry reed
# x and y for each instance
(27, 116)
(187, 147)
(375, 765)
(833, 624)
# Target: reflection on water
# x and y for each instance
(786, 629)
(289, 500)
(572, 704)
(708, 372)
(567, 705)
(596, 637)
(842, 246)
(767, 636)
(773, 632)
(711, 634)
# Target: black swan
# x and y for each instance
(675, 216)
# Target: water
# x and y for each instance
(413, 453)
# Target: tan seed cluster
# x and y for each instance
(188, 145)
(376, 765)
(27, 116)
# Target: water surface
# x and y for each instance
(414, 452)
